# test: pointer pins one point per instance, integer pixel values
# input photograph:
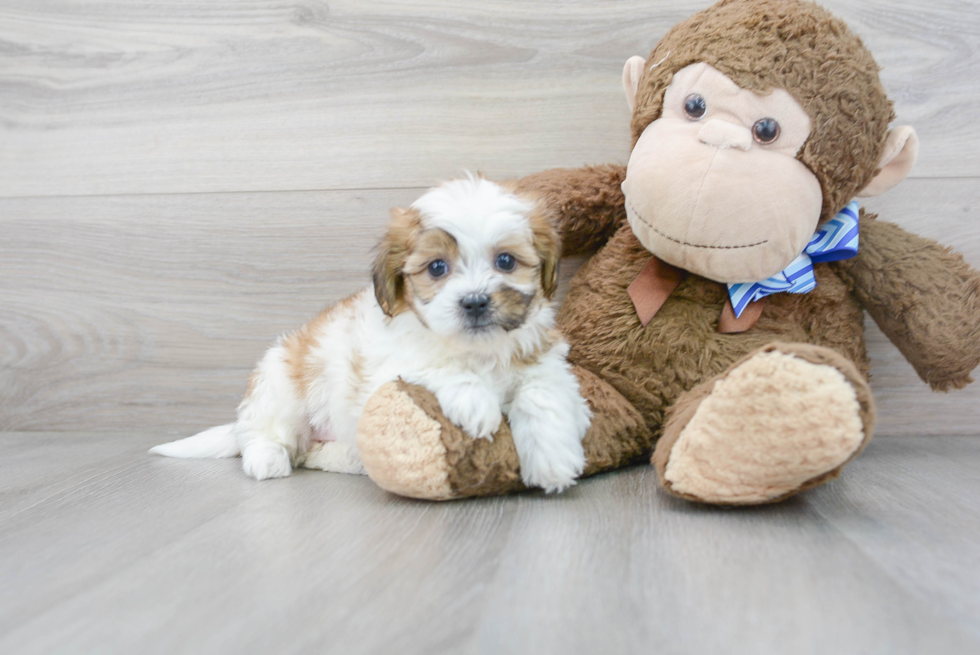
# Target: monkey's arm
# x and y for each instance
(923, 296)
(587, 202)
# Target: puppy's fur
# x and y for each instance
(476, 329)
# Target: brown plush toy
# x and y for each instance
(696, 330)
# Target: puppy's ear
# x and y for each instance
(388, 274)
(547, 243)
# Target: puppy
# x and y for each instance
(463, 283)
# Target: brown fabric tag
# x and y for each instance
(651, 288)
(728, 324)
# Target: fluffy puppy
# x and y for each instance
(461, 305)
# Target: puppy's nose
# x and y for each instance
(475, 304)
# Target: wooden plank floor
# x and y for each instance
(104, 548)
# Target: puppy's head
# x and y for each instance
(470, 258)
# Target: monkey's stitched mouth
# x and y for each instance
(686, 243)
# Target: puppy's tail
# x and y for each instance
(217, 442)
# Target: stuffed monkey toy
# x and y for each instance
(718, 325)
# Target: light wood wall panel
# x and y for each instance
(126, 310)
(256, 95)
(130, 311)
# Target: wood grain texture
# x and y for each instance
(126, 312)
(182, 181)
(930, 555)
(258, 95)
(135, 553)
(133, 311)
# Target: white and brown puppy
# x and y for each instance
(462, 306)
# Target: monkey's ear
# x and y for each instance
(901, 149)
(632, 72)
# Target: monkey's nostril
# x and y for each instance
(722, 134)
(475, 304)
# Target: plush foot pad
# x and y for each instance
(409, 448)
(779, 422)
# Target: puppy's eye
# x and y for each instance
(695, 106)
(438, 268)
(505, 262)
(765, 130)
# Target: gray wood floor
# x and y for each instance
(103, 549)
(181, 181)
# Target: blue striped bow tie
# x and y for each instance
(837, 239)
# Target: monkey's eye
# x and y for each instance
(505, 262)
(695, 106)
(765, 130)
(438, 268)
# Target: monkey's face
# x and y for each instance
(713, 185)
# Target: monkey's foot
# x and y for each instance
(784, 419)
(410, 448)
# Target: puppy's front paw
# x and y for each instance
(264, 459)
(549, 419)
(553, 467)
(474, 409)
